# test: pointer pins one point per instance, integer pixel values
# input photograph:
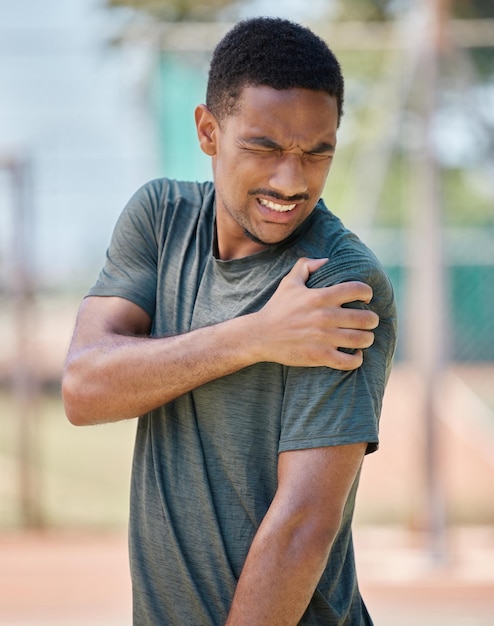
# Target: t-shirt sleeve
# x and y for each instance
(130, 269)
(325, 407)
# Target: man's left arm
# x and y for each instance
(292, 545)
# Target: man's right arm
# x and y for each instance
(115, 371)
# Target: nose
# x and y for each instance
(288, 176)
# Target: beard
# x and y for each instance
(255, 239)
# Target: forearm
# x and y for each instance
(280, 575)
(292, 545)
(121, 377)
(114, 371)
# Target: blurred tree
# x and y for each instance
(365, 10)
(174, 10)
(468, 9)
(482, 57)
(381, 10)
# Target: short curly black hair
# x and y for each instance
(274, 52)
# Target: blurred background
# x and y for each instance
(96, 98)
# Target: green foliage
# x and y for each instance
(472, 9)
(466, 202)
(365, 10)
(464, 195)
(382, 10)
(174, 10)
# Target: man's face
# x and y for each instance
(271, 159)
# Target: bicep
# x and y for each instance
(100, 317)
(317, 481)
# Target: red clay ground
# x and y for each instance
(59, 579)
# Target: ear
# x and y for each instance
(207, 126)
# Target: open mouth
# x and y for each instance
(274, 206)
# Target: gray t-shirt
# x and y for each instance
(205, 465)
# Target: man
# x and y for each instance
(222, 318)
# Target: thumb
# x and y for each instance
(304, 267)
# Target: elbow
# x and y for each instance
(88, 398)
(75, 399)
(317, 535)
(71, 401)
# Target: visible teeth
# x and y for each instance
(281, 208)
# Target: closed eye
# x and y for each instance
(322, 151)
(260, 144)
(265, 145)
(318, 156)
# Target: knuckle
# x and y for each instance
(370, 319)
(360, 291)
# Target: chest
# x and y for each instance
(194, 289)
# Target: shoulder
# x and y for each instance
(348, 255)
(324, 235)
(164, 192)
(158, 203)
(349, 259)
(359, 264)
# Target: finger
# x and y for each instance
(354, 339)
(304, 267)
(350, 291)
(345, 361)
(358, 319)
(315, 264)
(328, 315)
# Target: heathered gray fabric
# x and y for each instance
(204, 470)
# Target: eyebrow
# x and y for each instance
(270, 144)
(324, 146)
